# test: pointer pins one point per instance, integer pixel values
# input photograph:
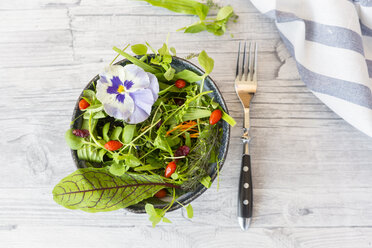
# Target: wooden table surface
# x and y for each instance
(312, 171)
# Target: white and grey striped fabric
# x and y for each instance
(331, 41)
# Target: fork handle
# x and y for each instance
(245, 195)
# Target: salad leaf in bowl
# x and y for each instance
(150, 134)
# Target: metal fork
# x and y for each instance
(245, 87)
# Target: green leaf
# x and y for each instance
(166, 220)
(164, 50)
(206, 62)
(73, 141)
(139, 49)
(206, 181)
(131, 160)
(188, 76)
(196, 28)
(90, 95)
(105, 131)
(187, 139)
(169, 74)
(97, 190)
(195, 113)
(116, 133)
(148, 167)
(161, 143)
(228, 118)
(190, 7)
(91, 154)
(150, 210)
(173, 51)
(190, 211)
(128, 133)
(118, 169)
(224, 13)
(136, 61)
(94, 108)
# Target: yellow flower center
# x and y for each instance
(120, 88)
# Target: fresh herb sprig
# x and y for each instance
(216, 25)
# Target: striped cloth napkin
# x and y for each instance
(331, 41)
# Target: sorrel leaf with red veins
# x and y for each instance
(97, 190)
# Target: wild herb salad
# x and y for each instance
(147, 131)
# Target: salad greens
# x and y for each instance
(177, 132)
(216, 25)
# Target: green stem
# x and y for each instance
(125, 48)
(92, 135)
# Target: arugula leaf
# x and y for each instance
(196, 28)
(139, 49)
(195, 113)
(118, 169)
(224, 13)
(206, 62)
(190, 211)
(73, 141)
(228, 118)
(188, 76)
(169, 74)
(84, 189)
(182, 6)
(206, 181)
(161, 143)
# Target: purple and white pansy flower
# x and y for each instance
(127, 92)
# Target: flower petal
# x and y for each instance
(113, 107)
(115, 70)
(154, 85)
(139, 115)
(137, 76)
(143, 99)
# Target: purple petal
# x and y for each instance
(154, 85)
(128, 84)
(137, 76)
(103, 79)
(120, 98)
(139, 115)
(143, 99)
(113, 89)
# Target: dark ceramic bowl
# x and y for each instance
(179, 64)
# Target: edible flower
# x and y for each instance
(127, 92)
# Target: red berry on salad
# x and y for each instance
(215, 117)
(180, 83)
(113, 145)
(161, 193)
(83, 104)
(83, 133)
(182, 151)
(170, 169)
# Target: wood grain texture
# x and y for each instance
(311, 170)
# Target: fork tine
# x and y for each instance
(237, 62)
(243, 64)
(249, 75)
(255, 62)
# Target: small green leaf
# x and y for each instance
(190, 211)
(118, 169)
(161, 143)
(105, 131)
(173, 50)
(139, 49)
(150, 210)
(206, 181)
(196, 28)
(94, 108)
(166, 220)
(116, 133)
(188, 76)
(206, 62)
(73, 141)
(187, 139)
(224, 13)
(195, 113)
(228, 118)
(136, 61)
(128, 133)
(174, 176)
(91, 154)
(169, 74)
(164, 50)
(131, 160)
(90, 95)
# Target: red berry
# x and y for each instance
(170, 169)
(215, 117)
(182, 151)
(83, 104)
(113, 145)
(180, 83)
(161, 193)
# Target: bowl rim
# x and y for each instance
(198, 190)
